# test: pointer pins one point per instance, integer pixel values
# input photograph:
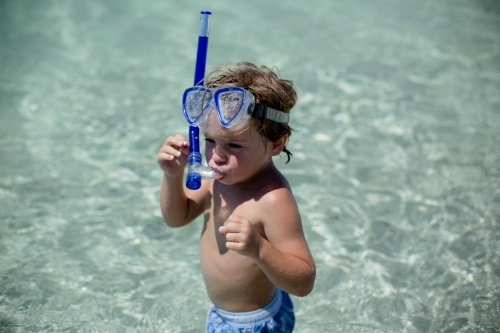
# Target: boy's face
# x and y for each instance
(237, 155)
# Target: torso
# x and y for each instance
(234, 282)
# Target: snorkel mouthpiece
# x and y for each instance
(196, 171)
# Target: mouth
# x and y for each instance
(221, 175)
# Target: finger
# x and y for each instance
(183, 146)
(181, 138)
(170, 151)
(233, 238)
(234, 246)
(229, 238)
(223, 230)
(162, 157)
(233, 227)
(167, 150)
(177, 141)
(230, 246)
(184, 150)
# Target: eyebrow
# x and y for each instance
(233, 138)
(226, 138)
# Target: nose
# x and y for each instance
(219, 155)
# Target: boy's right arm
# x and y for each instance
(179, 206)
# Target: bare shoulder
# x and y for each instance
(280, 213)
(275, 192)
(278, 198)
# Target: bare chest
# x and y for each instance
(222, 205)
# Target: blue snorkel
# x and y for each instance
(196, 171)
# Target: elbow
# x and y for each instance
(174, 224)
(307, 284)
(171, 225)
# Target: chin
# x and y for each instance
(225, 181)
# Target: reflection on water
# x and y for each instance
(395, 167)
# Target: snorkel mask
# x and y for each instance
(234, 106)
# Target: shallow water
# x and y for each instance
(395, 168)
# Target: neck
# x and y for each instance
(259, 174)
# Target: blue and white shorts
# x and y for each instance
(276, 317)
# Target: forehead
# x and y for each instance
(213, 128)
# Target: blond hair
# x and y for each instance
(266, 87)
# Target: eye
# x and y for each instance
(234, 145)
(209, 140)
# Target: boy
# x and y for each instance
(252, 246)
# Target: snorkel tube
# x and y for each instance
(197, 171)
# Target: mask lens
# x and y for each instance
(229, 104)
(195, 103)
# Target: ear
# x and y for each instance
(275, 148)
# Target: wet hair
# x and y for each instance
(267, 88)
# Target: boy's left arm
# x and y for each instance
(284, 256)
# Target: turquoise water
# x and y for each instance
(396, 163)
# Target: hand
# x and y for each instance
(172, 157)
(241, 236)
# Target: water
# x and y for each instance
(395, 168)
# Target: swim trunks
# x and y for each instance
(276, 317)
